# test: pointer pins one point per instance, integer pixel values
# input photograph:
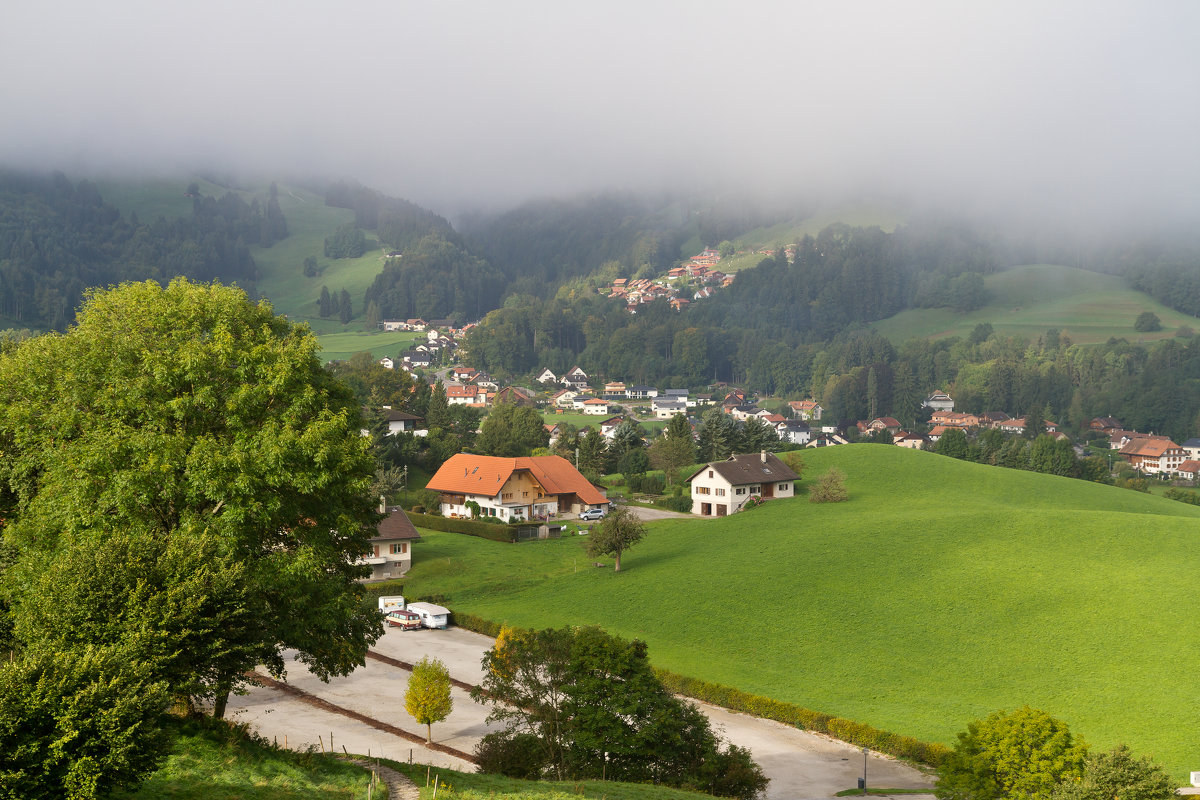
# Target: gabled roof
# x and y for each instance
(1191, 443)
(395, 525)
(747, 468)
(1149, 447)
(466, 473)
(1191, 465)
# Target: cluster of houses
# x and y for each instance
(700, 273)
(437, 348)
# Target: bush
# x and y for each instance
(830, 488)
(1147, 322)
(679, 502)
(511, 754)
(646, 484)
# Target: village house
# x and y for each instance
(794, 431)
(667, 407)
(413, 359)
(614, 390)
(955, 419)
(723, 487)
(595, 407)
(575, 378)
(403, 422)
(546, 376)
(609, 426)
(564, 398)
(514, 396)
(392, 325)
(1188, 470)
(939, 401)
(1192, 446)
(889, 424)
(387, 363)
(1018, 426)
(913, 441)
(809, 410)
(555, 431)
(1154, 455)
(641, 392)
(992, 419)
(1105, 424)
(462, 395)
(826, 439)
(390, 555)
(513, 489)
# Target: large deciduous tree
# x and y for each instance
(554, 692)
(182, 449)
(1023, 753)
(511, 431)
(1118, 774)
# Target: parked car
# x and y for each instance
(403, 619)
(592, 514)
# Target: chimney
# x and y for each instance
(763, 455)
(382, 504)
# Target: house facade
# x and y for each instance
(513, 489)
(390, 555)
(806, 409)
(721, 488)
(1155, 455)
(939, 401)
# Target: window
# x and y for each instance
(399, 548)
(702, 490)
(710, 472)
(720, 492)
(783, 487)
(740, 490)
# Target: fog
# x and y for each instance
(1079, 110)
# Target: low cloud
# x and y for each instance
(1078, 110)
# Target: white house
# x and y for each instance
(806, 409)
(723, 487)
(796, 431)
(575, 378)
(387, 363)
(546, 376)
(665, 408)
(390, 555)
(939, 401)
(596, 407)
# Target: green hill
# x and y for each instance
(942, 591)
(1027, 301)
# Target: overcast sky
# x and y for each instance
(1081, 108)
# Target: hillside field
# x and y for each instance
(942, 591)
(1027, 301)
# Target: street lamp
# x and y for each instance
(862, 784)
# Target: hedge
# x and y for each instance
(484, 530)
(856, 733)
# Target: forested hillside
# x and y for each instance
(58, 238)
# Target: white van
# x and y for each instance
(432, 616)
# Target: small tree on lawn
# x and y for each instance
(428, 695)
(830, 488)
(619, 531)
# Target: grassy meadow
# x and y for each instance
(940, 592)
(1027, 301)
(340, 346)
(207, 764)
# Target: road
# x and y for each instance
(799, 764)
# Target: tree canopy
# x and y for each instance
(427, 697)
(185, 444)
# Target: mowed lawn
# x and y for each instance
(940, 592)
(1027, 301)
(340, 346)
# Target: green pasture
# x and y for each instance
(207, 765)
(942, 591)
(1027, 301)
(340, 346)
(281, 266)
(581, 420)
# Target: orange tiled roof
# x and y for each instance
(466, 473)
(1150, 447)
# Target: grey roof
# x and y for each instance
(396, 525)
(1191, 443)
(676, 392)
(750, 468)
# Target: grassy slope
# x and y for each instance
(204, 766)
(943, 591)
(471, 785)
(1027, 301)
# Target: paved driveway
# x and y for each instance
(799, 764)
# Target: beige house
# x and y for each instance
(723, 487)
(390, 555)
(513, 489)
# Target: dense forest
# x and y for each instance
(58, 238)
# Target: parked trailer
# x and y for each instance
(432, 615)
(391, 603)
